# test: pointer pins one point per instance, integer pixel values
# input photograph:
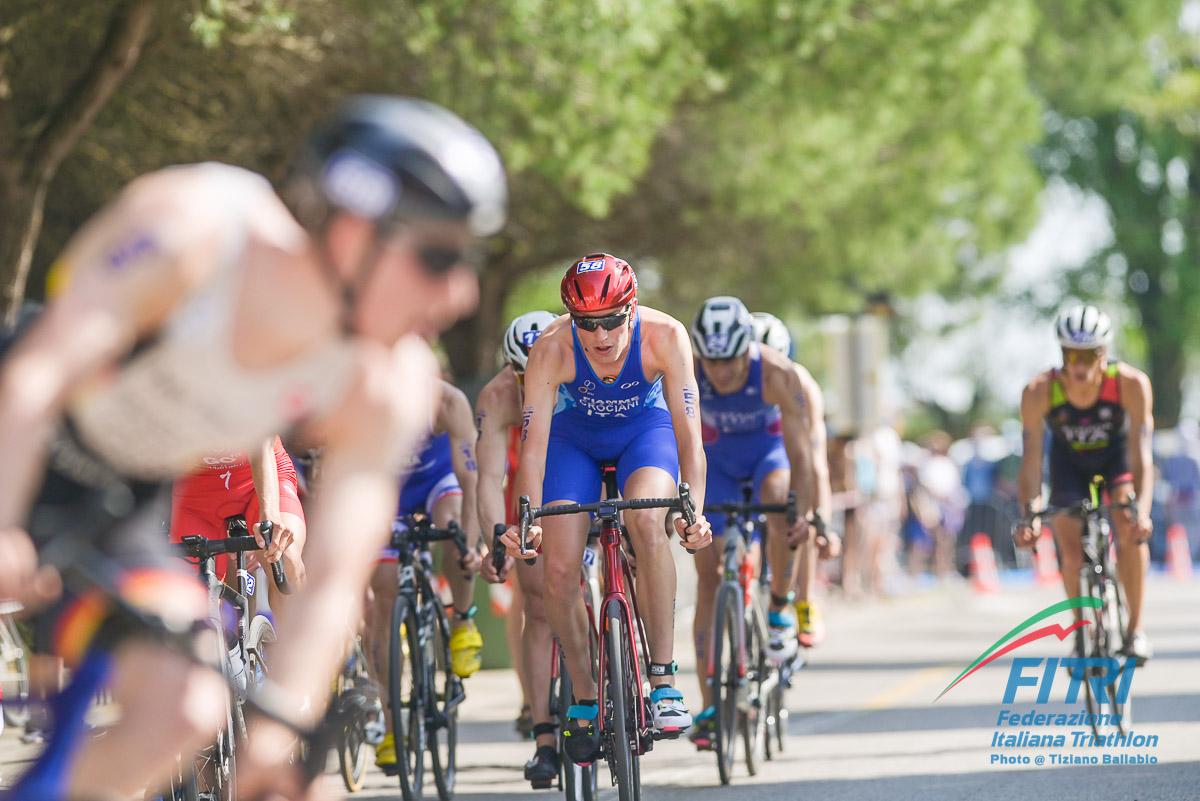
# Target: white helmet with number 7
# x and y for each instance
(521, 334)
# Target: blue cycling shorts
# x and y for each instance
(734, 462)
(578, 447)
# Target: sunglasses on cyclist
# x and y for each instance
(1080, 356)
(439, 259)
(609, 322)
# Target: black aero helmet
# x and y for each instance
(391, 159)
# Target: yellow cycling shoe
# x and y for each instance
(385, 755)
(810, 629)
(465, 644)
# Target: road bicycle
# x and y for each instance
(1104, 637)
(423, 692)
(623, 667)
(739, 670)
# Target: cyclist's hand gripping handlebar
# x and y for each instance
(278, 574)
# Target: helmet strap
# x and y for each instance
(348, 290)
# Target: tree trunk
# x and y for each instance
(1165, 354)
(472, 344)
(31, 169)
(20, 223)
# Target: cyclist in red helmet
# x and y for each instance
(611, 383)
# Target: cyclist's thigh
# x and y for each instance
(1068, 534)
(719, 487)
(773, 475)
(1123, 521)
(572, 473)
(650, 449)
(563, 541)
(445, 501)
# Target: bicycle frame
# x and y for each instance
(616, 575)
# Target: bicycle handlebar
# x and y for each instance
(1081, 509)
(498, 549)
(408, 531)
(682, 503)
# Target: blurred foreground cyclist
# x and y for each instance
(199, 311)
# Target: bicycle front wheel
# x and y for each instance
(446, 693)
(351, 737)
(1109, 710)
(406, 696)
(726, 682)
(621, 700)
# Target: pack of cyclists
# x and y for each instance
(159, 380)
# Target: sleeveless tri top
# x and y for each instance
(1088, 436)
(182, 394)
(741, 413)
(588, 397)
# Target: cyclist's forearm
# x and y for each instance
(26, 424)
(1143, 476)
(265, 473)
(490, 503)
(693, 469)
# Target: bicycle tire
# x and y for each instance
(407, 701)
(213, 769)
(444, 696)
(1099, 642)
(621, 734)
(14, 674)
(351, 739)
(758, 670)
(726, 621)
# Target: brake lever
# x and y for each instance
(688, 510)
(526, 515)
(498, 549)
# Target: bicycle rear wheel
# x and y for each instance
(621, 700)
(406, 695)
(726, 683)
(445, 695)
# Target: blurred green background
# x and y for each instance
(812, 157)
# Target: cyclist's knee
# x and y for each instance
(561, 583)
(647, 525)
(775, 487)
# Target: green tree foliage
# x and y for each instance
(802, 154)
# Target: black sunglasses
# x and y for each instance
(439, 259)
(609, 322)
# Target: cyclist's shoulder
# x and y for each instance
(1037, 391)
(663, 333)
(1135, 384)
(500, 394)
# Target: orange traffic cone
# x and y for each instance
(501, 596)
(984, 576)
(1179, 555)
(1045, 561)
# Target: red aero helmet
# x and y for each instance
(598, 282)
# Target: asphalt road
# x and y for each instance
(864, 724)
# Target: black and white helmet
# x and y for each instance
(723, 328)
(770, 331)
(521, 334)
(1083, 328)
